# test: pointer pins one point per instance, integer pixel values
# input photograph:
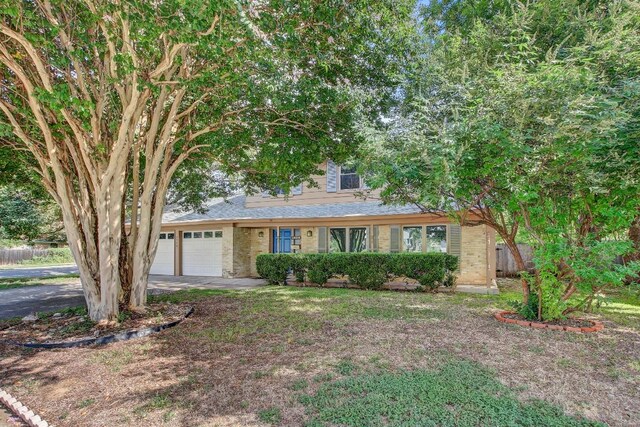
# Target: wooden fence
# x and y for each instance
(506, 265)
(14, 256)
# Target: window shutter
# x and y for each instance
(297, 190)
(375, 237)
(322, 239)
(455, 241)
(394, 235)
(332, 186)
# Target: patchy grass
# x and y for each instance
(270, 416)
(459, 393)
(310, 356)
(20, 282)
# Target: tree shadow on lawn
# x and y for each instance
(294, 356)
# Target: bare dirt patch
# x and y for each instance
(244, 359)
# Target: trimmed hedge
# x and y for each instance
(367, 270)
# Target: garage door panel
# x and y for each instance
(164, 261)
(202, 253)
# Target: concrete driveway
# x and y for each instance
(29, 299)
(53, 270)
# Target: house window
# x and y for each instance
(187, 235)
(437, 238)
(208, 234)
(357, 239)
(170, 236)
(348, 239)
(412, 239)
(197, 235)
(163, 236)
(349, 179)
(218, 234)
(337, 240)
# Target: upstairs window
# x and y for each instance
(349, 179)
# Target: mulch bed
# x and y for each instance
(569, 324)
(69, 326)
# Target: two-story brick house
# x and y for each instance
(225, 240)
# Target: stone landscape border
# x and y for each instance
(21, 411)
(122, 336)
(595, 324)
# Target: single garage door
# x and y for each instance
(202, 253)
(163, 262)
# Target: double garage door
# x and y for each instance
(201, 253)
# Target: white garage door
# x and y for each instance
(202, 253)
(163, 262)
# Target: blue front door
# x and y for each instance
(282, 243)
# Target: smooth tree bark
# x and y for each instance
(110, 98)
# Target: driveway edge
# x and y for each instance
(20, 410)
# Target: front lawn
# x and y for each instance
(308, 356)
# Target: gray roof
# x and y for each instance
(234, 209)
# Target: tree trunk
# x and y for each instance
(517, 257)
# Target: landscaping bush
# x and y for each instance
(430, 270)
(365, 269)
(319, 268)
(274, 268)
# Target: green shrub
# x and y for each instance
(319, 269)
(274, 268)
(53, 256)
(365, 269)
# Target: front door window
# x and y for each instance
(287, 241)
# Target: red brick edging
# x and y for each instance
(595, 324)
(25, 414)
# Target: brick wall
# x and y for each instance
(258, 245)
(473, 256)
(241, 246)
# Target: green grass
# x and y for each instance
(458, 393)
(20, 282)
(270, 416)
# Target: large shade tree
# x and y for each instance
(110, 99)
(524, 117)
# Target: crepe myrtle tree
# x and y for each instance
(110, 99)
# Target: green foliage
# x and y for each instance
(19, 219)
(528, 310)
(364, 269)
(271, 415)
(54, 256)
(458, 393)
(276, 267)
(530, 113)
